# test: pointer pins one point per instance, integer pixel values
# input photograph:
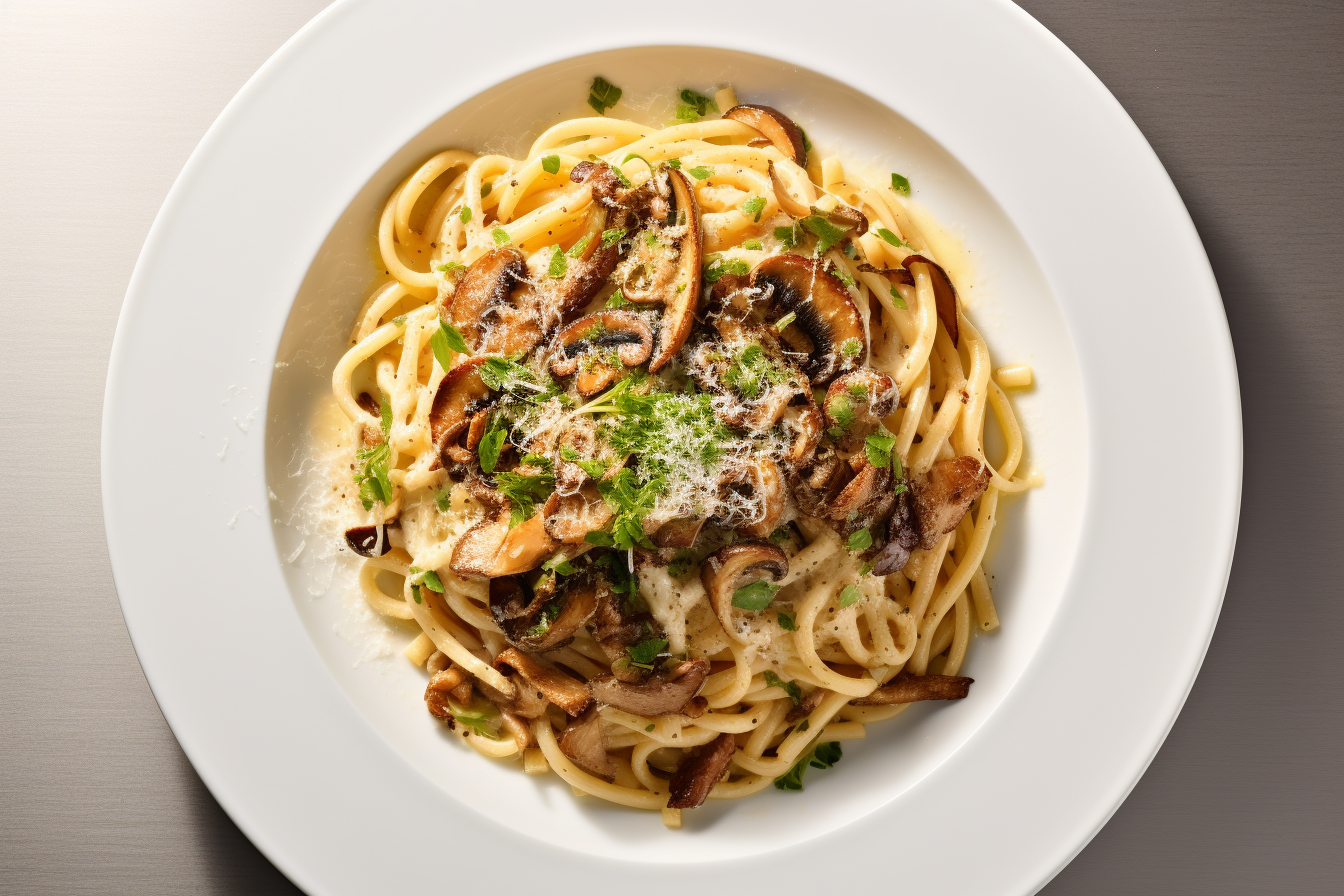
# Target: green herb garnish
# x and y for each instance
(878, 447)
(789, 687)
(700, 172)
(892, 238)
(900, 184)
(787, 622)
(754, 206)
(645, 652)
(753, 245)
(558, 266)
(603, 95)
(612, 237)
(827, 234)
(790, 236)
(551, 164)
(465, 215)
(500, 236)
(524, 491)
(492, 443)
(850, 595)
(716, 269)
(783, 323)
(446, 340)
(755, 596)
(861, 540)
(821, 756)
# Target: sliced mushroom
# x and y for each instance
(899, 275)
(490, 548)
(679, 308)
(733, 567)
(704, 768)
(902, 535)
(563, 690)
(848, 217)
(805, 424)
(458, 399)
(659, 695)
(942, 498)
(569, 518)
(804, 707)
(616, 625)
(762, 483)
(914, 688)
(442, 686)
(583, 742)
(678, 533)
(490, 310)
(944, 293)
(816, 484)
(587, 270)
(367, 541)
(855, 405)
(826, 325)
(776, 127)
(586, 344)
(544, 618)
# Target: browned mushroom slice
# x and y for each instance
(944, 293)
(460, 394)
(563, 690)
(490, 548)
(617, 626)
(776, 127)
(678, 533)
(848, 217)
(660, 695)
(704, 768)
(679, 307)
(569, 518)
(484, 291)
(855, 405)
(545, 618)
(858, 500)
(826, 325)
(804, 423)
(804, 707)
(897, 275)
(902, 536)
(791, 207)
(816, 484)
(762, 483)
(914, 688)
(942, 498)
(739, 576)
(588, 345)
(367, 541)
(582, 741)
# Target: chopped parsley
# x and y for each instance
(560, 565)
(452, 267)
(617, 300)
(446, 340)
(645, 652)
(715, 270)
(842, 412)
(892, 238)
(754, 206)
(492, 443)
(630, 502)
(550, 611)
(789, 687)
(693, 106)
(501, 236)
(577, 250)
(850, 595)
(558, 266)
(878, 447)
(477, 721)
(787, 622)
(465, 215)
(485, 190)
(821, 756)
(755, 596)
(551, 164)
(900, 184)
(524, 491)
(789, 236)
(426, 577)
(896, 298)
(752, 373)
(783, 323)
(861, 540)
(827, 234)
(674, 163)
(753, 245)
(603, 95)
(843, 276)
(700, 172)
(851, 347)
(372, 474)
(443, 500)
(503, 375)
(612, 237)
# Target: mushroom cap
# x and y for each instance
(914, 688)
(569, 518)
(775, 126)
(582, 741)
(490, 548)
(856, 403)
(763, 481)
(481, 304)
(363, 540)
(826, 320)
(944, 293)
(459, 394)
(623, 331)
(659, 695)
(679, 308)
(704, 768)
(942, 498)
(723, 572)
(563, 690)
(522, 612)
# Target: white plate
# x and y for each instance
(1085, 263)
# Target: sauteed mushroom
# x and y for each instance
(491, 305)
(856, 404)
(582, 741)
(542, 618)
(461, 394)
(586, 347)
(735, 567)
(659, 695)
(914, 688)
(826, 326)
(569, 518)
(364, 540)
(491, 548)
(775, 126)
(563, 690)
(704, 768)
(944, 496)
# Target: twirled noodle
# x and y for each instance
(779, 686)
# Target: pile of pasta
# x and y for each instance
(670, 441)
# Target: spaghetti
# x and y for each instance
(670, 442)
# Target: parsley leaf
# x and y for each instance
(443, 500)
(787, 622)
(892, 238)
(475, 720)
(492, 443)
(789, 687)
(452, 267)
(783, 323)
(789, 236)
(714, 271)
(428, 578)
(850, 595)
(843, 276)
(755, 596)
(576, 250)
(603, 95)
(896, 298)
(699, 102)
(631, 502)
(501, 236)
(900, 184)
(827, 234)
(465, 215)
(485, 190)
(551, 164)
(558, 266)
(645, 652)
(446, 340)
(754, 245)
(674, 163)
(851, 347)
(754, 206)
(821, 756)
(700, 172)
(861, 540)
(878, 447)
(612, 237)
(752, 373)
(524, 492)
(617, 300)
(503, 375)
(371, 475)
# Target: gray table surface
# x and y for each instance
(100, 105)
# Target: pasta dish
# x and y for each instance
(670, 442)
